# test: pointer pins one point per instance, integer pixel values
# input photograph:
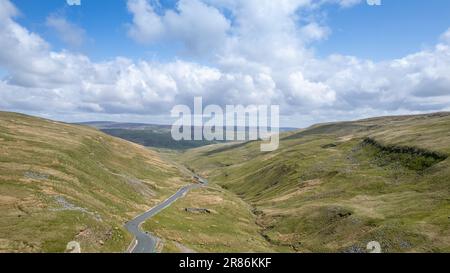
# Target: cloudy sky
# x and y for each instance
(133, 60)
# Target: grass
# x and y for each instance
(229, 227)
(412, 158)
(328, 189)
(107, 180)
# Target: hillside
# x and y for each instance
(329, 188)
(62, 183)
(149, 135)
(335, 187)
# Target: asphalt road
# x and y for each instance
(145, 242)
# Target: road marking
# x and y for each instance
(132, 245)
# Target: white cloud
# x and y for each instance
(309, 93)
(263, 57)
(7, 10)
(313, 32)
(147, 26)
(197, 26)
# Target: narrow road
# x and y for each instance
(145, 242)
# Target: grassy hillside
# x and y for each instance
(335, 187)
(61, 183)
(332, 187)
(210, 219)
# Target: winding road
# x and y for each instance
(145, 242)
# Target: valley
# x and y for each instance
(335, 187)
(329, 188)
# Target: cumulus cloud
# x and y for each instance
(147, 26)
(7, 10)
(314, 32)
(198, 26)
(307, 92)
(262, 57)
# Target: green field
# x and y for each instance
(335, 187)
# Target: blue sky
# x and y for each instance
(105, 25)
(135, 59)
(392, 30)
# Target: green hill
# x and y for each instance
(329, 188)
(62, 183)
(335, 187)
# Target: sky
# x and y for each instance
(133, 60)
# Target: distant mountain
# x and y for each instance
(125, 125)
(151, 135)
(142, 126)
